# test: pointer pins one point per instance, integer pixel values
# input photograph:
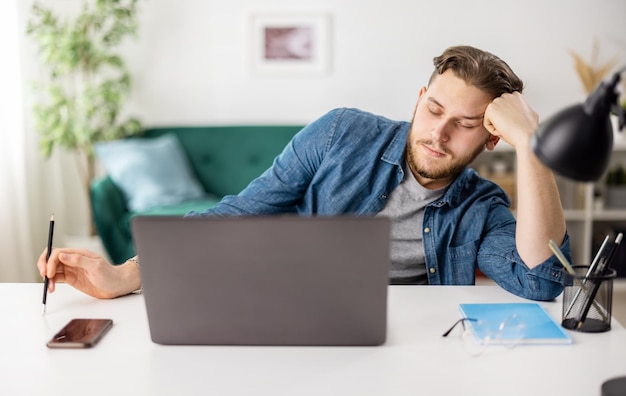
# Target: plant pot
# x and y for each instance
(615, 197)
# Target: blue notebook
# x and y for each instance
(513, 323)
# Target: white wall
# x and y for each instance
(191, 62)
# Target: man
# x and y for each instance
(446, 220)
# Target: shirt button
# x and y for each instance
(432, 270)
(384, 196)
(427, 230)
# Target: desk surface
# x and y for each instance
(415, 359)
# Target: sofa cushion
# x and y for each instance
(150, 172)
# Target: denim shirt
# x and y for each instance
(349, 162)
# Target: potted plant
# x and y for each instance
(86, 82)
(591, 73)
(616, 188)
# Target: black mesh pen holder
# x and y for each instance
(587, 300)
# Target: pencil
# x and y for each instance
(559, 255)
(46, 280)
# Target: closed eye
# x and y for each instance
(435, 111)
(467, 126)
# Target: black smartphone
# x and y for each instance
(80, 333)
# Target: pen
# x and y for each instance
(602, 267)
(46, 280)
(599, 256)
(609, 258)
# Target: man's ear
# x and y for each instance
(491, 143)
(421, 93)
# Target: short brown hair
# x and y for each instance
(478, 68)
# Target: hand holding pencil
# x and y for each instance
(46, 280)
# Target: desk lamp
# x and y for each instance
(577, 141)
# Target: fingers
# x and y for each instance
(511, 118)
(47, 268)
(76, 258)
(59, 258)
(51, 285)
(488, 124)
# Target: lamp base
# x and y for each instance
(614, 387)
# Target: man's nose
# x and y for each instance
(440, 131)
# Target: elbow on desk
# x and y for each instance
(535, 288)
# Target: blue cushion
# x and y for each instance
(150, 172)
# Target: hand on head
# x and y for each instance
(511, 118)
(88, 272)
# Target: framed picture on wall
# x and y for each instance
(290, 44)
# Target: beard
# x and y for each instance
(429, 169)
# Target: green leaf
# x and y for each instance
(86, 83)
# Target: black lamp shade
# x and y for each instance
(577, 141)
(575, 144)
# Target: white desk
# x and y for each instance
(416, 360)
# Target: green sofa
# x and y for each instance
(224, 159)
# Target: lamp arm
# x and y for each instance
(605, 99)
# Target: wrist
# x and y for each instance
(134, 275)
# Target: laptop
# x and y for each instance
(264, 280)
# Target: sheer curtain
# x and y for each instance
(18, 245)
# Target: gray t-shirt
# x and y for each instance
(405, 208)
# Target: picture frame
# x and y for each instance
(290, 44)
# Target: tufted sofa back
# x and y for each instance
(227, 158)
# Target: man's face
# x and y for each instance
(447, 130)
